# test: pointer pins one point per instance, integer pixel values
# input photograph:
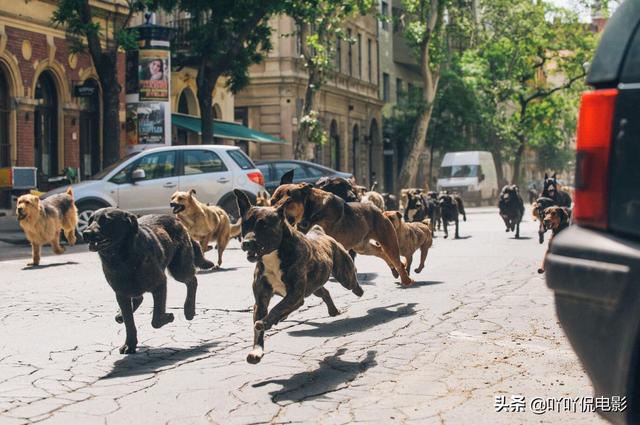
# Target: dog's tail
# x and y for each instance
(236, 229)
(199, 259)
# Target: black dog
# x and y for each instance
(511, 208)
(416, 209)
(390, 202)
(290, 264)
(450, 211)
(432, 197)
(539, 206)
(135, 253)
(551, 190)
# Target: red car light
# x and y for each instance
(595, 125)
(256, 177)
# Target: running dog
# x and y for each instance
(336, 185)
(205, 223)
(135, 252)
(557, 219)
(289, 264)
(449, 209)
(353, 224)
(551, 189)
(42, 221)
(511, 208)
(411, 237)
(538, 208)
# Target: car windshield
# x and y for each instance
(459, 171)
(108, 169)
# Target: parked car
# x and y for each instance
(594, 265)
(472, 174)
(305, 171)
(143, 182)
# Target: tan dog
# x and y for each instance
(411, 237)
(205, 223)
(374, 198)
(43, 220)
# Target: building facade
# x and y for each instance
(45, 121)
(348, 104)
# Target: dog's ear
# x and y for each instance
(244, 204)
(305, 189)
(133, 222)
(564, 215)
(399, 215)
(287, 177)
(554, 176)
(192, 192)
(70, 191)
(546, 176)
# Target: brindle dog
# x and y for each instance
(556, 219)
(289, 264)
(353, 224)
(336, 185)
(538, 208)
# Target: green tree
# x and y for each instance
(83, 24)
(527, 52)
(428, 26)
(320, 25)
(225, 37)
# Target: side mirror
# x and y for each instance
(481, 178)
(138, 174)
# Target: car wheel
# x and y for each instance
(85, 211)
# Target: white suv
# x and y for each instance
(143, 182)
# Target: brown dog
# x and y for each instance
(262, 200)
(374, 198)
(43, 220)
(411, 237)
(557, 219)
(205, 223)
(353, 224)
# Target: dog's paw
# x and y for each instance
(168, 318)
(119, 318)
(260, 326)
(189, 312)
(334, 313)
(418, 270)
(394, 272)
(128, 348)
(540, 270)
(358, 291)
(255, 356)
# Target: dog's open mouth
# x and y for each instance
(177, 208)
(99, 244)
(21, 216)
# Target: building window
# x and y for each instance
(370, 68)
(399, 90)
(350, 54)
(338, 55)
(5, 146)
(360, 56)
(385, 87)
(384, 6)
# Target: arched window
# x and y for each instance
(185, 106)
(46, 126)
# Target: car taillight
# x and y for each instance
(256, 177)
(595, 125)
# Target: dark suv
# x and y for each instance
(594, 266)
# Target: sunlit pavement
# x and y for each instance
(478, 324)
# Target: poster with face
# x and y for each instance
(145, 123)
(153, 66)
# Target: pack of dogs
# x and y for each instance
(298, 237)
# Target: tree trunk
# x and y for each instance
(304, 129)
(430, 181)
(517, 164)
(499, 174)
(206, 80)
(110, 123)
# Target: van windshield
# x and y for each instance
(459, 171)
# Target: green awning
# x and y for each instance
(223, 129)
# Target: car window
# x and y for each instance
(201, 161)
(283, 167)
(123, 175)
(158, 165)
(264, 169)
(313, 171)
(241, 159)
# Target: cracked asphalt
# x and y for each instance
(479, 323)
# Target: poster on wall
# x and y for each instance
(153, 66)
(145, 123)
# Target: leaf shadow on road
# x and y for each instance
(374, 317)
(44, 266)
(332, 373)
(154, 359)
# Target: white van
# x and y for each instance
(472, 174)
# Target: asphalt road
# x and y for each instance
(478, 325)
